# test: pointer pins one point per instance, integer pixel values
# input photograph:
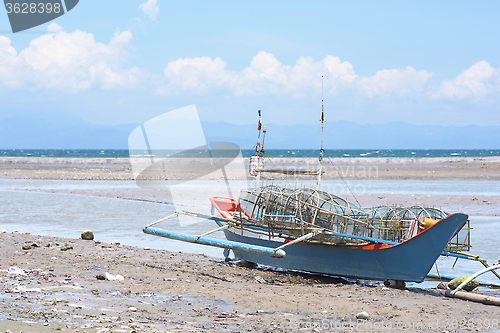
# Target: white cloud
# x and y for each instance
(67, 62)
(54, 28)
(8, 61)
(265, 75)
(73, 62)
(196, 73)
(150, 8)
(399, 81)
(477, 81)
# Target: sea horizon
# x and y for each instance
(283, 153)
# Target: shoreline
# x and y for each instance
(467, 168)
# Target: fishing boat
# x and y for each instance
(312, 230)
(323, 233)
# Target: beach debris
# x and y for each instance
(227, 315)
(153, 266)
(363, 315)
(453, 284)
(100, 277)
(248, 264)
(115, 242)
(87, 235)
(66, 247)
(441, 285)
(484, 299)
(35, 244)
(97, 241)
(24, 289)
(398, 284)
(260, 279)
(16, 271)
(112, 277)
(473, 198)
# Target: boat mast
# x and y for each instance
(256, 161)
(322, 120)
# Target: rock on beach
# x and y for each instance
(453, 284)
(88, 235)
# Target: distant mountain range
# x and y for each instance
(30, 133)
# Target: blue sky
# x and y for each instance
(115, 62)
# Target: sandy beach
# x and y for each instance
(62, 286)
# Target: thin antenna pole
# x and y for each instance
(259, 127)
(322, 120)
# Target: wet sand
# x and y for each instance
(464, 168)
(177, 292)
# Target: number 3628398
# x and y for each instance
(32, 8)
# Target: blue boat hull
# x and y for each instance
(408, 261)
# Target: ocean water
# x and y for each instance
(368, 153)
(67, 215)
(24, 209)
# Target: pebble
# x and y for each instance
(147, 248)
(132, 309)
(260, 279)
(441, 285)
(115, 242)
(4, 231)
(97, 241)
(66, 247)
(87, 235)
(363, 315)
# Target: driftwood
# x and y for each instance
(489, 300)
